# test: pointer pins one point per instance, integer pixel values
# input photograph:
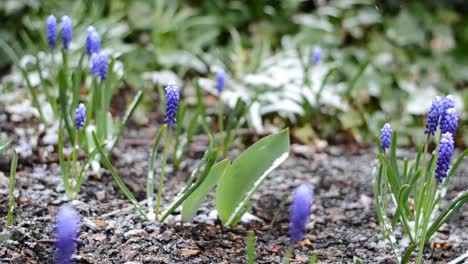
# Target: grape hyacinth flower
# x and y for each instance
(317, 56)
(66, 32)
(449, 102)
(172, 102)
(220, 80)
(66, 232)
(93, 41)
(450, 121)
(80, 116)
(434, 115)
(51, 31)
(386, 136)
(446, 147)
(99, 65)
(300, 211)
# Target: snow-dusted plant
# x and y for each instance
(408, 197)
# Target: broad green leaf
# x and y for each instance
(247, 172)
(4, 144)
(194, 201)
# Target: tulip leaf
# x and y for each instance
(194, 201)
(247, 172)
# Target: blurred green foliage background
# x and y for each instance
(408, 52)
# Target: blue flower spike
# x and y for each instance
(317, 56)
(51, 31)
(67, 32)
(99, 65)
(434, 116)
(172, 103)
(450, 121)
(446, 147)
(80, 116)
(93, 41)
(220, 80)
(300, 211)
(386, 136)
(66, 232)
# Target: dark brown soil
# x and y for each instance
(343, 222)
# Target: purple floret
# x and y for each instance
(172, 102)
(446, 147)
(66, 232)
(300, 211)
(386, 136)
(51, 31)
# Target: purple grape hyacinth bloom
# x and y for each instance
(220, 80)
(93, 41)
(317, 56)
(66, 232)
(450, 121)
(386, 136)
(434, 116)
(446, 147)
(80, 116)
(172, 102)
(51, 31)
(449, 102)
(99, 65)
(300, 211)
(66, 32)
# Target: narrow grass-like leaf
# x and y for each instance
(247, 172)
(356, 77)
(250, 247)
(87, 164)
(193, 202)
(132, 107)
(11, 189)
(454, 206)
(181, 198)
(117, 178)
(4, 144)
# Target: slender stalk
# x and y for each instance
(167, 145)
(150, 178)
(426, 217)
(74, 172)
(103, 118)
(221, 126)
(288, 255)
(11, 197)
(421, 188)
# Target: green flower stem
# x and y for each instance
(74, 172)
(420, 191)
(11, 197)
(35, 100)
(150, 179)
(103, 118)
(221, 127)
(45, 87)
(426, 216)
(167, 145)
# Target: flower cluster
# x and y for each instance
(317, 56)
(66, 32)
(434, 116)
(93, 41)
(80, 116)
(446, 147)
(386, 136)
(300, 211)
(172, 102)
(220, 80)
(51, 31)
(66, 231)
(99, 65)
